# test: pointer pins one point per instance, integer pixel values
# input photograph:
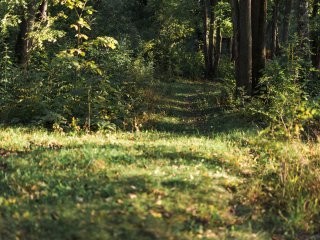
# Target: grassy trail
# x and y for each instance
(175, 179)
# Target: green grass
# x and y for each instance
(117, 186)
(189, 173)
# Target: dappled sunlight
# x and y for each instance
(182, 175)
(141, 180)
(159, 120)
(193, 108)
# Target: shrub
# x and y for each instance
(284, 106)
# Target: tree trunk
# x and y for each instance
(245, 47)
(229, 47)
(274, 29)
(23, 43)
(42, 11)
(235, 40)
(204, 4)
(315, 37)
(259, 26)
(217, 50)
(211, 37)
(208, 35)
(303, 30)
(286, 21)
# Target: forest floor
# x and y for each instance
(179, 177)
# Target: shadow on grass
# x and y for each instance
(61, 194)
(193, 108)
(115, 216)
(63, 198)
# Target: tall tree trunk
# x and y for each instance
(217, 50)
(208, 35)
(235, 40)
(211, 16)
(229, 47)
(23, 43)
(245, 47)
(259, 26)
(204, 4)
(303, 30)
(315, 37)
(274, 29)
(286, 21)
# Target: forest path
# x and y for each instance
(192, 108)
(182, 106)
(174, 179)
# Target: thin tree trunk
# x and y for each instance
(235, 42)
(245, 47)
(208, 35)
(286, 21)
(274, 29)
(303, 30)
(217, 50)
(315, 38)
(205, 36)
(211, 16)
(230, 47)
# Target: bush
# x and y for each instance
(284, 106)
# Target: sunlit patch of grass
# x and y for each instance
(145, 185)
(179, 177)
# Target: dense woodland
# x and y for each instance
(83, 59)
(243, 74)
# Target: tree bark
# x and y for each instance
(211, 46)
(274, 29)
(204, 4)
(42, 11)
(245, 47)
(315, 37)
(303, 30)
(23, 43)
(208, 35)
(235, 42)
(286, 21)
(259, 26)
(217, 50)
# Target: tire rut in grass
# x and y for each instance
(197, 113)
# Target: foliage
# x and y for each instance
(74, 80)
(136, 139)
(284, 105)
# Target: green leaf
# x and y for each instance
(82, 23)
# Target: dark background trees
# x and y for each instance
(62, 54)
